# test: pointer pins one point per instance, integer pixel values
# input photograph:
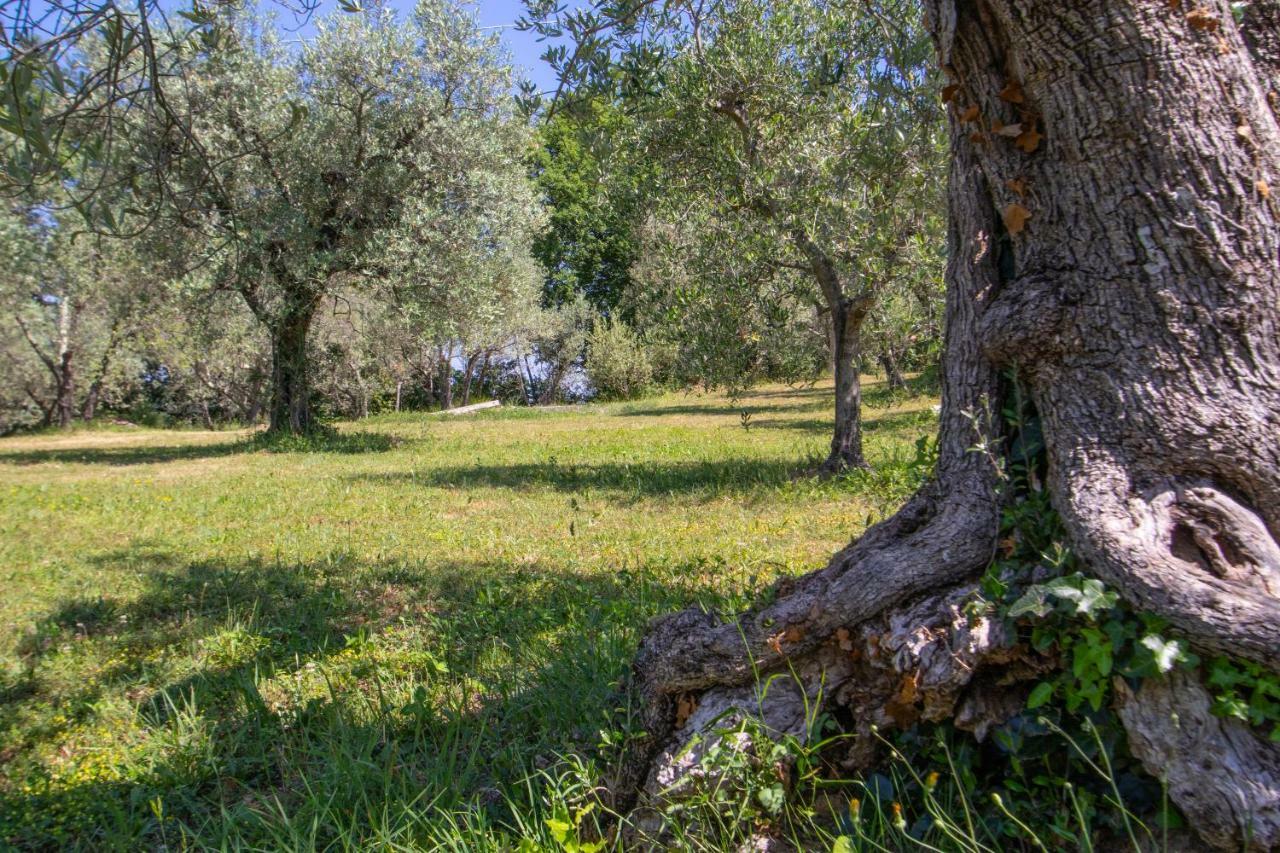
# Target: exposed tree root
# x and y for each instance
(1221, 774)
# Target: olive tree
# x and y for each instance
(74, 306)
(1111, 272)
(804, 121)
(383, 151)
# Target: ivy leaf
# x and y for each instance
(1166, 654)
(1042, 693)
(1033, 601)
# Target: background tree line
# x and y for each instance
(370, 221)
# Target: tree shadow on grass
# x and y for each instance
(641, 479)
(723, 409)
(336, 442)
(436, 685)
(890, 421)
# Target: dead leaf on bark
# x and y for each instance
(907, 690)
(1015, 218)
(1028, 140)
(1201, 18)
(685, 706)
(1012, 92)
(794, 634)
(1264, 189)
(844, 639)
(949, 92)
(775, 642)
(1018, 185)
(978, 137)
(970, 114)
(1008, 130)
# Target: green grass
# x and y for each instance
(382, 637)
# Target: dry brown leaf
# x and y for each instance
(1007, 130)
(1264, 189)
(907, 690)
(1012, 92)
(775, 642)
(949, 92)
(794, 634)
(1029, 139)
(1201, 18)
(970, 114)
(1018, 185)
(978, 137)
(1015, 218)
(685, 706)
(903, 716)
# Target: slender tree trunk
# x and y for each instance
(551, 386)
(1121, 251)
(466, 377)
(524, 388)
(893, 375)
(290, 392)
(362, 395)
(446, 381)
(532, 386)
(255, 401)
(846, 439)
(399, 387)
(64, 405)
(90, 408)
(484, 372)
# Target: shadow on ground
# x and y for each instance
(433, 685)
(643, 479)
(870, 422)
(347, 442)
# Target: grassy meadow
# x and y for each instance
(390, 637)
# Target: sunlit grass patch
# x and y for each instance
(377, 636)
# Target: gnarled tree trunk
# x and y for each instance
(1120, 248)
(290, 392)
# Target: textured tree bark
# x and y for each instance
(1113, 236)
(892, 374)
(846, 437)
(64, 403)
(290, 392)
